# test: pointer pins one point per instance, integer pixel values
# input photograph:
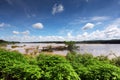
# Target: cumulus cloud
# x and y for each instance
(88, 26)
(112, 31)
(57, 8)
(27, 32)
(38, 25)
(15, 32)
(107, 33)
(5, 25)
(28, 38)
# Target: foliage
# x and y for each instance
(4, 43)
(56, 68)
(71, 46)
(90, 68)
(103, 72)
(14, 66)
(102, 58)
(116, 61)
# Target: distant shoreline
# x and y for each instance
(83, 42)
(114, 41)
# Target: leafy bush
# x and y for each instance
(14, 66)
(90, 68)
(116, 61)
(56, 68)
(103, 72)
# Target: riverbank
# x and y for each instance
(95, 49)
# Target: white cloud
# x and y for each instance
(107, 33)
(5, 25)
(85, 34)
(99, 23)
(27, 32)
(2, 24)
(57, 8)
(112, 31)
(38, 25)
(15, 32)
(99, 18)
(69, 34)
(27, 38)
(88, 26)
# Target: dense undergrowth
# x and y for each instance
(16, 66)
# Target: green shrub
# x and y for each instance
(56, 68)
(14, 66)
(103, 72)
(116, 61)
(90, 68)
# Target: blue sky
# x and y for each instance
(59, 20)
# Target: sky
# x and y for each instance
(59, 20)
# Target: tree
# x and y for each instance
(71, 47)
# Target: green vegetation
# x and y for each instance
(71, 47)
(56, 68)
(4, 43)
(93, 68)
(16, 66)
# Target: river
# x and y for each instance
(95, 49)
